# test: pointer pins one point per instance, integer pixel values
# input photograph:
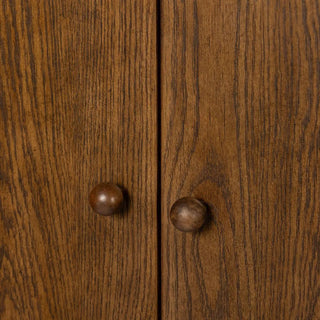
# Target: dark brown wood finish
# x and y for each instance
(188, 214)
(240, 130)
(78, 106)
(106, 199)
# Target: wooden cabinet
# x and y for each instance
(78, 107)
(240, 105)
(216, 103)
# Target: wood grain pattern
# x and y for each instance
(240, 126)
(72, 75)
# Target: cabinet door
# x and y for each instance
(78, 107)
(240, 130)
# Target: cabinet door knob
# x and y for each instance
(188, 214)
(106, 199)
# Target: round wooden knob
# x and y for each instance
(106, 199)
(188, 214)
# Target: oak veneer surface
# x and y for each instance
(240, 83)
(72, 74)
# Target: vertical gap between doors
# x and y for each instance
(159, 249)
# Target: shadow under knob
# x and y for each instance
(106, 199)
(188, 214)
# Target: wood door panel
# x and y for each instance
(240, 129)
(72, 75)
